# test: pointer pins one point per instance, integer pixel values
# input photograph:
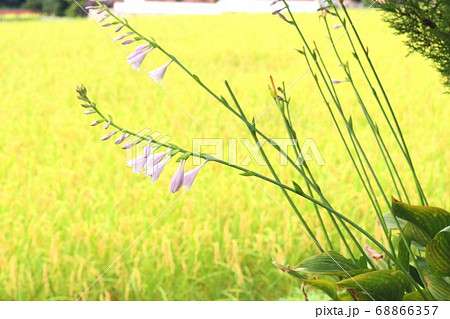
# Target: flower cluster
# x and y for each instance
(136, 58)
(150, 163)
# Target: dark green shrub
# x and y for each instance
(427, 26)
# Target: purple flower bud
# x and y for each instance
(103, 18)
(100, 11)
(278, 11)
(178, 178)
(117, 29)
(107, 24)
(126, 42)
(129, 145)
(121, 139)
(95, 123)
(89, 112)
(282, 17)
(107, 125)
(337, 26)
(120, 37)
(91, 7)
(338, 81)
(107, 136)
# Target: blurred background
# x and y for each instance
(69, 206)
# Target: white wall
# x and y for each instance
(222, 6)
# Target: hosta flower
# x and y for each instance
(136, 58)
(107, 136)
(190, 176)
(337, 26)
(154, 159)
(338, 81)
(120, 37)
(178, 178)
(158, 74)
(107, 24)
(156, 170)
(89, 112)
(107, 125)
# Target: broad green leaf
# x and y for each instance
(403, 253)
(331, 263)
(415, 296)
(381, 285)
(326, 286)
(390, 221)
(429, 219)
(418, 237)
(362, 262)
(437, 253)
(439, 287)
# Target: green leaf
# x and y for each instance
(381, 285)
(362, 262)
(326, 286)
(403, 253)
(184, 156)
(390, 221)
(248, 173)
(415, 296)
(439, 287)
(418, 237)
(323, 264)
(297, 187)
(437, 253)
(350, 123)
(429, 219)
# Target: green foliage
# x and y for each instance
(329, 263)
(379, 284)
(437, 253)
(427, 26)
(56, 7)
(11, 3)
(430, 219)
(422, 225)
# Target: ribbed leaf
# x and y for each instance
(437, 253)
(390, 221)
(331, 263)
(428, 218)
(439, 287)
(403, 253)
(415, 296)
(418, 237)
(379, 284)
(326, 286)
